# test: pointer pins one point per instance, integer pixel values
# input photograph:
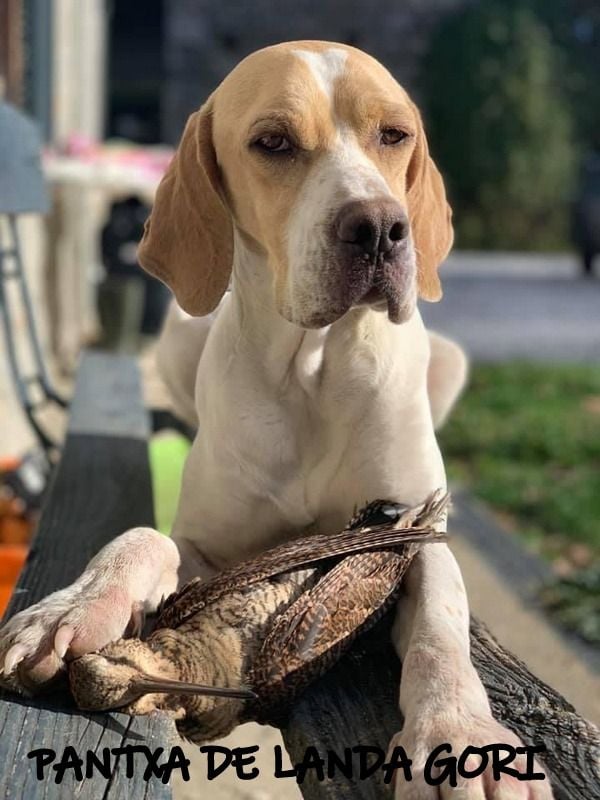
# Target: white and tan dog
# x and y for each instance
(306, 180)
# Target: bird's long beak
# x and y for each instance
(148, 684)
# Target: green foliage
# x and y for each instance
(575, 27)
(499, 127)
(575, 603)
(526, 438)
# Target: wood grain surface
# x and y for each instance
(100, 488)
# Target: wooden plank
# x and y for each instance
(101, 487)
(355, 703)
(108, 399)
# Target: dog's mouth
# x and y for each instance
(386, 287)
(374, 297)
(391, 290)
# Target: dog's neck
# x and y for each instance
(285, 348)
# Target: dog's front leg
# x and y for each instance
(125, 580)
(441, 696)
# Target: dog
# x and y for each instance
(304, 180)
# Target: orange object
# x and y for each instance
(5, 595)
(12, 559)
(9, 463)
(15, 530)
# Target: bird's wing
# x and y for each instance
(326, 618)
(407, 526)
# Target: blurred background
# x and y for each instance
(510, 92)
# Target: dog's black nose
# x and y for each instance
(374, 227)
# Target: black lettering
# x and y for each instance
(311, 760)
(241, 757)
(499, 763)
(280, 772)
(446, 766)
(153, 767)
(365, 770)
(462, 761)
(398, 760)
(93, 763)
(530, 751)
(345, 765)
(211, 751)
(128, 751)
(69, 760)
(176, 760)
(43, 756)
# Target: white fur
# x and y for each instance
(326, 67)
(342, 175)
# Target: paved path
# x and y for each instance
(503, 306)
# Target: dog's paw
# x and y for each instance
(422, 741)
(129, 575)
(78, 619)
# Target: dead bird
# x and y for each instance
(242, 645)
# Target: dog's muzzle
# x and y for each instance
(372, 241)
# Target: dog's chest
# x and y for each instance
(332, 434)
(337, 427)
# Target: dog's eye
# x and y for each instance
(274, 143)
(392, 135)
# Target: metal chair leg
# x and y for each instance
(24, 383)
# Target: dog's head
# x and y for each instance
(319, 159)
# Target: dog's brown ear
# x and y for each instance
(430, 217)
(188, 238)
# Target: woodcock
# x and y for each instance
(240, 646)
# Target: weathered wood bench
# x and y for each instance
(101, 487)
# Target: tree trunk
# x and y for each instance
(356, 702)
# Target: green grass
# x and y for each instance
(526, 439)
